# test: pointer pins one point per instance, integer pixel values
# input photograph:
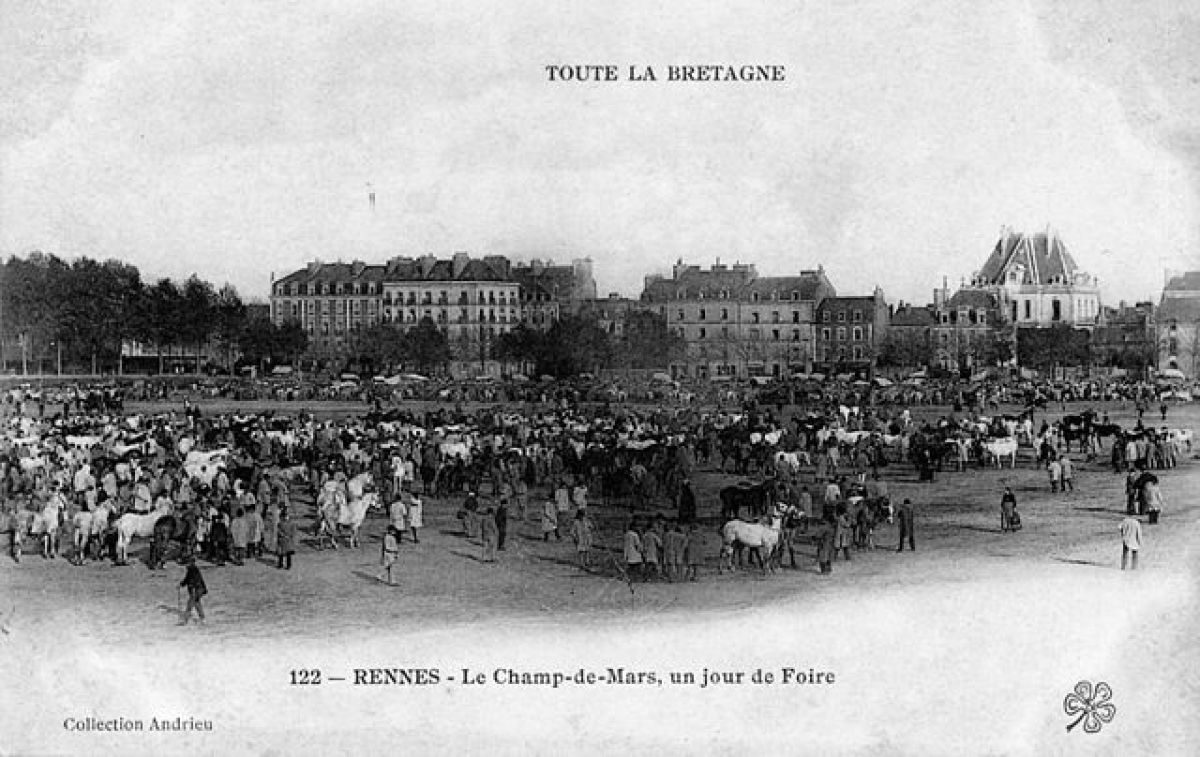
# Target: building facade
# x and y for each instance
(849, 332)
(611, 314)
(1125, 337)
(963, 332)
(1178, 325)
(1038, 283)
(472, 300)
(735, 323)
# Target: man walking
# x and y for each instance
(905, 515)
(1067, 471)
(287, 540)
(1131, 541)
(194, 582)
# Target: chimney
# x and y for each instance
(357, 267)
(458, 264)
(314, 266)
(537, 267)
(426, 263)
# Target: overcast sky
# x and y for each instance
(238, 139)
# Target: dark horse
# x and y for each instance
(170, 528)
(756, 497)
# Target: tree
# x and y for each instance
(1047, 348)
(230, 319)
(521, 346)
(573, 345)
(378, 347)
(425, 346)
(648, 342)
(904, 348)
(33, 297)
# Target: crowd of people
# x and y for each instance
(83, 477)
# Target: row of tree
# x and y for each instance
(1040, 348)
(572, 345)
(80, 314)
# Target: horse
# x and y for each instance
(170, 528)
(998, 449)
(756, 537)
(353, 512)
(131, 525)
(744, 494)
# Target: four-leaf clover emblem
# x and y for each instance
(1092, 706)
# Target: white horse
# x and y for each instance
(755, 536)
(353, 512)
(131, 525)
(998, 449)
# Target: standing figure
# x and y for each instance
(1131, 541)
(196, 588)
(906, 526)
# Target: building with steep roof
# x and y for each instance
(472, 300)
(1038, 282)
(1178, 324)
(737, 323)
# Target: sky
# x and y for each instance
(237, 140)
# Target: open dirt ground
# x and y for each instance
(967, 645)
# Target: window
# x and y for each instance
(858, 352)
(945, 317)
(1055, 310)
(680, 314)
(775, 334)
(755, 297)
(825, 316)
(858, 333)
(1014, 310)
(702, 333)
(857, 316)
(841, 316)
(795, 316)
(795, 296)
(754, 317)
(825, 334)
(841, 333)
(795, 335)
(724, 314)
(702, 314)
(1028, 310)
(774, 316)
(754, 334)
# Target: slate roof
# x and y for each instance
(974, 299)
(1044, 257)
(913, 316)
(1187, 282)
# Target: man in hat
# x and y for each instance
(906, 526)
(194, 582)
(687, 502)
(1131, 540)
